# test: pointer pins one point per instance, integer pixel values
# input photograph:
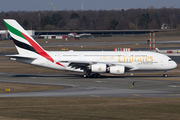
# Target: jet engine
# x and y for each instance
(117, 70)
(98, 68)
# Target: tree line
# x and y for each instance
(132, 19)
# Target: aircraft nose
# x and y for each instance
(174, 64)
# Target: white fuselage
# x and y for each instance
(134, 60)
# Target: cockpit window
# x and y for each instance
(170, 60)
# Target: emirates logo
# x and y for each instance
(118, 71)
(99, 69)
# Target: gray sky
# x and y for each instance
(36, 5)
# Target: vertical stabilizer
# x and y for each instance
(24, 43)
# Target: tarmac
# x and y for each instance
(106, 86)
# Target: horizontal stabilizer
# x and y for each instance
(20, 56)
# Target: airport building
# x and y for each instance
(4, 35)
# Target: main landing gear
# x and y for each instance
(165, 74)
(95, 75)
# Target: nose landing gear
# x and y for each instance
(165, 74)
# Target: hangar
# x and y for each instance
(4, 35)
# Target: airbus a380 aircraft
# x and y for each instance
(92, 63)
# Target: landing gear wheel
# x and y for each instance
(84, 75)
(165, 75)
(94, 75)
(97, 75)
(87, 75)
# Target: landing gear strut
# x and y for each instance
(96, 75)
(165, 74)
(88, 75)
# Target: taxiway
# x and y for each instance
(107, 86)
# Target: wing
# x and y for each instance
(82, 65)
(86, 65)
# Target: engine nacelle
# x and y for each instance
(117, 70)
(98, 68)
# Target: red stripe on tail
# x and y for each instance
(40, 50)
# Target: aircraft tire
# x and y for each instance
(165, 75)
(98, 75)
(94, 75)
(84, 75)
(89, 75)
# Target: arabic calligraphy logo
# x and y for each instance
(118, 71)
(99, 69)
